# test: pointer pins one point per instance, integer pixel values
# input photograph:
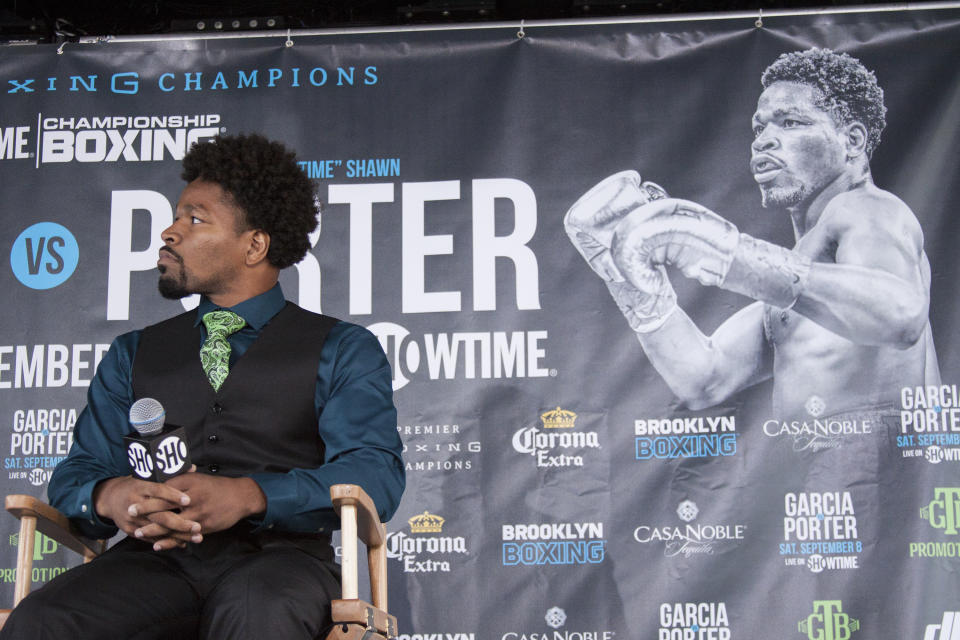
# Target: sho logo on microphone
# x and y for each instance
(171, 454)
(157, 451)
(141, 462)
(158, 457)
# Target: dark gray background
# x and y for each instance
(559, 110)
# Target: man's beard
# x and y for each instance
(173, 286)
(782, 196)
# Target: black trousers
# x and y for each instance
(235, 584)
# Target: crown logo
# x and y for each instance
(426, 522)
(558, 419)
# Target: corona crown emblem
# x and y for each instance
(558, 419)
(426, 522)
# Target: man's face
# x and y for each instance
(797, 150)
(203, 249)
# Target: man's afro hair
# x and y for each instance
(845, 88)
(264, 180)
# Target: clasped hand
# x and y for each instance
(180, 510)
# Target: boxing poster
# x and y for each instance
(669, 306)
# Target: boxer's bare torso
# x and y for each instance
(814, 367)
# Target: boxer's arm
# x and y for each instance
(703, 371)
(875, 293)
(708, 248)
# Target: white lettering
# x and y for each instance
(361, 198)
(123, 260)
(487, 246)
(417, 245)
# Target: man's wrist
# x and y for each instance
(253, 497)
(767, 272)
(644, 312)
(100, 498)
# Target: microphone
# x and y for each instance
(157, 452)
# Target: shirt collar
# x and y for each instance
(257, 311)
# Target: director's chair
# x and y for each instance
(353, 619)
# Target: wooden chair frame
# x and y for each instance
(354, 619)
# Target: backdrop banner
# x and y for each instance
(763, 443)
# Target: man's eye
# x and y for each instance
(789, 122)
(757, 130)
(195, 220)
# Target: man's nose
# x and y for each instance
(170, 235)
(766, 141)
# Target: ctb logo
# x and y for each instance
(828, 622)
(44, 255)
(42, 545)
(943, 512)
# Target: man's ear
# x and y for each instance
(855, 139)
(258, 247)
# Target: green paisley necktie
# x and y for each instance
(215, 352)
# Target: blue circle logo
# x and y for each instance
(44, 255)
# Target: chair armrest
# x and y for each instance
(359, 519)
(369, 527)
(53, 524)
(36, 515)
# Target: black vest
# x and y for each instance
(263, 417)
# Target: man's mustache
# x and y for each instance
(172, 253)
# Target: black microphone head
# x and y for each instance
(147, 416)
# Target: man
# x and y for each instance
(840, 321)
(240, 548)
